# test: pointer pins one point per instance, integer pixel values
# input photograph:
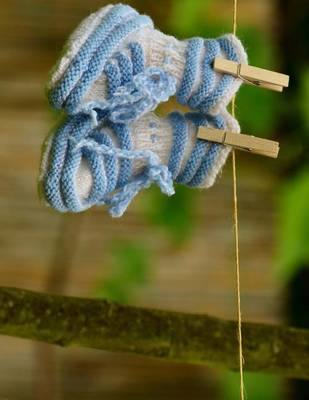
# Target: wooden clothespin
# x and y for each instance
(240, 141)
(253, 75)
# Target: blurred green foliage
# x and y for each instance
(173, 214)
(259, 386)
(130, 267)
(193, 10)
(293, 237)
(304, 101)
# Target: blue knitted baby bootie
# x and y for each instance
(130, 88)
(109, 164)
(116, 61)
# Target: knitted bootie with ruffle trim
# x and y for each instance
(109, 164)
(116, 61)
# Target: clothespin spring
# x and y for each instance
(247, 81)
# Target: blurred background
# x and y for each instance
(176, 253)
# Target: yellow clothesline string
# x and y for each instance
(239, 332)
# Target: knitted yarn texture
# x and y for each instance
(115, 70)
(94, 58)
(109, 164)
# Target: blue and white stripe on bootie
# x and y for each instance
(83, 166)
(117, 47)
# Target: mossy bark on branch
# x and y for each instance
(189, 338)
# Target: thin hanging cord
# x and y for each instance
(239, 333)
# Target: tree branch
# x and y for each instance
(189, 338)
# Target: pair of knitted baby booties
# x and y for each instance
(114, 71)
